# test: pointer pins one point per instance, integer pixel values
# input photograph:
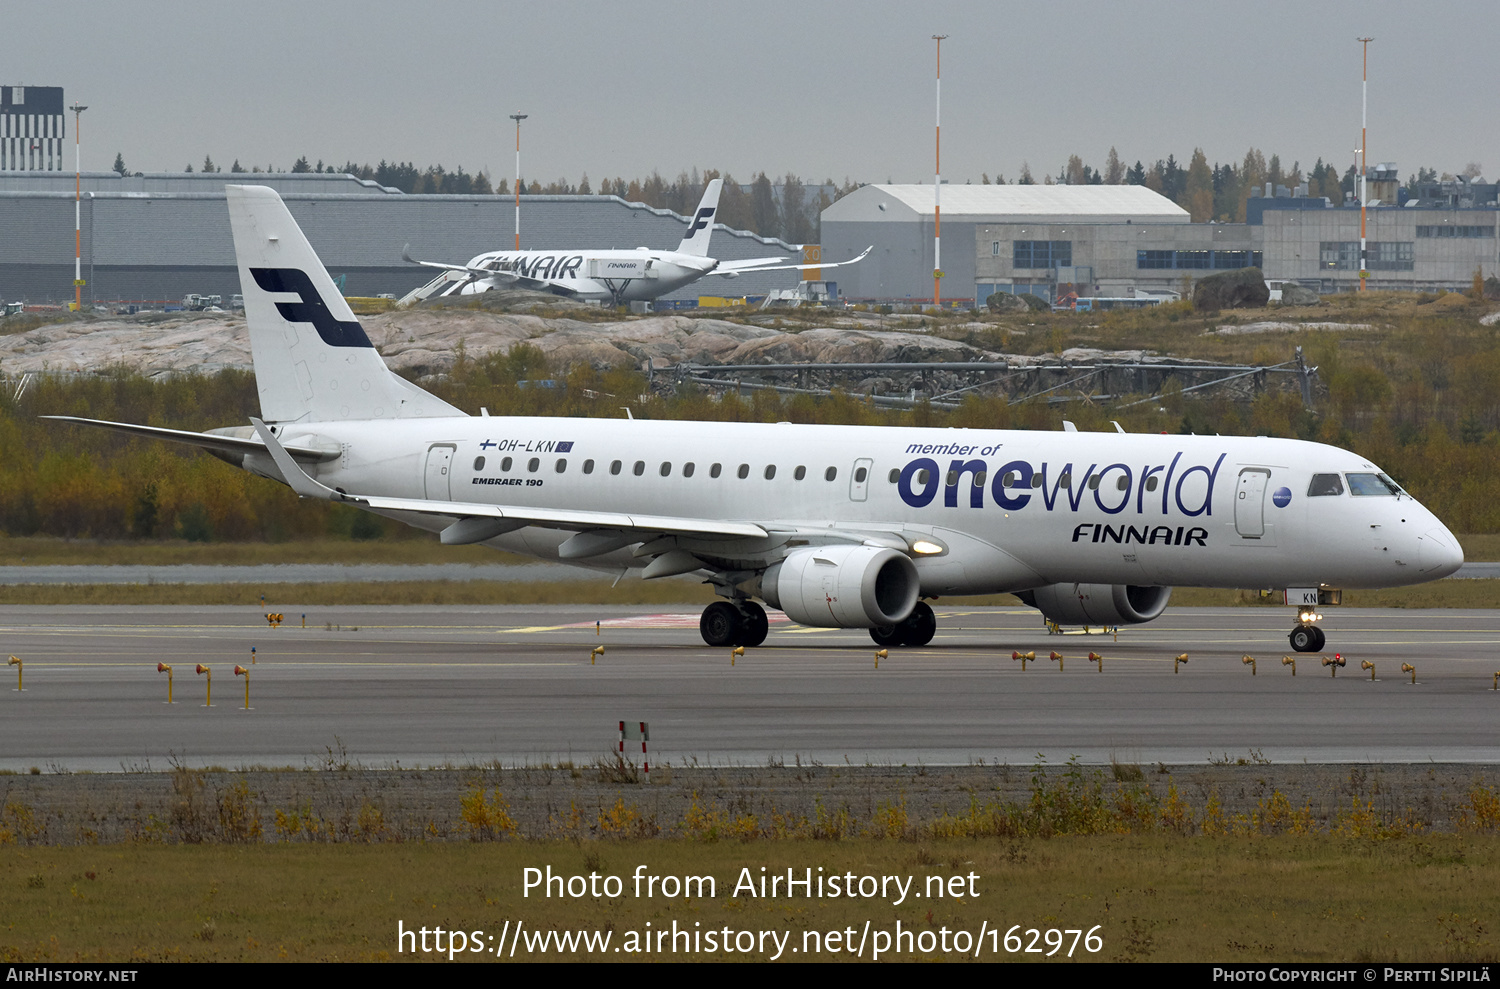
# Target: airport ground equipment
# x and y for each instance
(1290, 661)
(16, 662)
(1409, 668)
(240, 671)
(208, 700)
(1178, 660)
(1333, 663)
(1024, 657)
(1365, 664)
(167, 669)
(1250, 662)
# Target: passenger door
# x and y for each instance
(1250, 502)
(440, 471)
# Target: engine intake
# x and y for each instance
(1098, 604)
(843, 586)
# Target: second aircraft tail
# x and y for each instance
(701, 226)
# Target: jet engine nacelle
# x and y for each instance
(843, 586)
(1098, 604)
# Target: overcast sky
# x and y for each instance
(818, 89)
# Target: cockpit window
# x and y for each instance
(1373, 484)
(1325, 484)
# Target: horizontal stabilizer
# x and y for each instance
(207, 441)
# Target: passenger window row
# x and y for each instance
(665, 469)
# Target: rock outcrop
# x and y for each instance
(1242, 289)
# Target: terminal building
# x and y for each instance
(1122, 241)
(156, 237)
(32, 128)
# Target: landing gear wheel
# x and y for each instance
(755, 624)
(1306, 638)
(920, 626)
(721, 624)
(886, 635)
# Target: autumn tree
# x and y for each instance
(1114, 172)
(1199, 188)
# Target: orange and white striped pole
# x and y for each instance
(937, 183)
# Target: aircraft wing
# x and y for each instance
(467, 269)
(732, 268)
(207, 441)
(308, 487)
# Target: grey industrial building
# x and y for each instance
(160, 236)
(1119, 241)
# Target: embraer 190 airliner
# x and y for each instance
(837, 526)
(616, 276)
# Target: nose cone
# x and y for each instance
(1439, 554)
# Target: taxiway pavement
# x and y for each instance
(466, 685)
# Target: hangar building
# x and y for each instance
(898, 220)
(1120, 241)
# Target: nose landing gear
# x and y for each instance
(1307, 637)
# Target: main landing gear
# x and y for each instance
(725, 624)
(918, 629)
(1307, 637)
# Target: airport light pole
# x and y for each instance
(937, 182)
(77, 109)
(1364, 163)
(518, 117)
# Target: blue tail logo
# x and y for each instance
(704, 218)
(312, 309)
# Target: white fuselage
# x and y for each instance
(630, 276)
(1107, 508)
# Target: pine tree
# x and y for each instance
(119, 164)
(208, 164)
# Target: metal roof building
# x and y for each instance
(163, 235)
(898, 220)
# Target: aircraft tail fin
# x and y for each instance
(313, 361)
(701, 226)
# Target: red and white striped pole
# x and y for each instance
(634, 730)
(937, 182)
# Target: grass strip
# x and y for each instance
(1152, 898)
